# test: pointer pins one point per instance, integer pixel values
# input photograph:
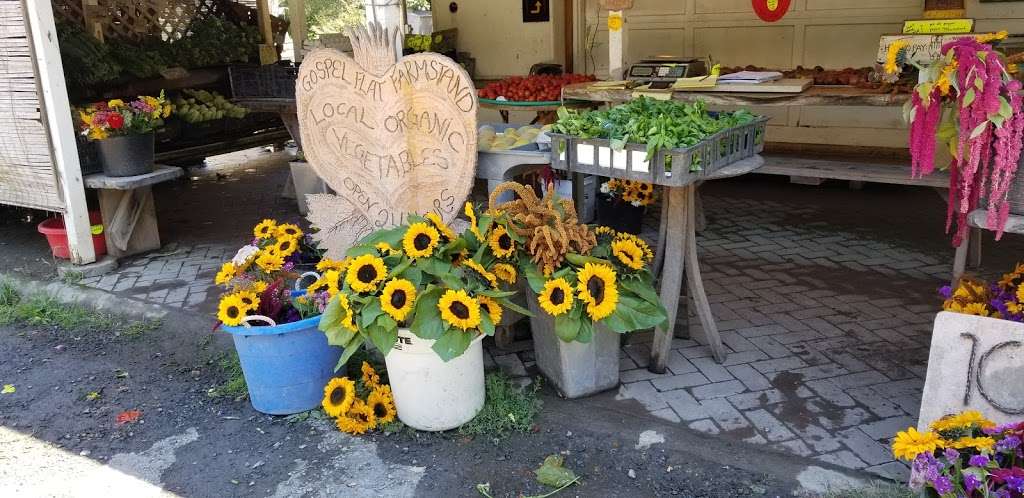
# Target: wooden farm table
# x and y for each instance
(815, 95)
(129, 214)
(546, 114)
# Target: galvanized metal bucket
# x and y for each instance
(126, 155)
(1015, 196)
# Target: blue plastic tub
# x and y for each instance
(286, 367)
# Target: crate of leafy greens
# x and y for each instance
(669, 143)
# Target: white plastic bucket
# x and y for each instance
(432, 395)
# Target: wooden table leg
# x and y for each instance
(696, 285)
(129, 220)
(672, 273)
(974, 249)
(659, 245)
(960, 258)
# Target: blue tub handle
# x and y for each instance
(258, 318)
(302, 277)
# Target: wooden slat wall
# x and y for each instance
(27, 177)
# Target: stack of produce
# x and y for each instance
(511, 138)
(533, 88)
(201, 105)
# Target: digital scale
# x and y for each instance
(662, 71)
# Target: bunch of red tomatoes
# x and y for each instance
(533, 88)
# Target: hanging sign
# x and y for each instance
(616, 4)
(770, 10)
(615, 21)
(390, 138)
(536, 10)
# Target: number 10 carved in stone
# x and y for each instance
(390, 138)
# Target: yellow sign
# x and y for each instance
(938, 26)
(614, 21)
(772, 5)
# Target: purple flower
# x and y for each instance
(943, 485)
(946, 291)
(978, 461)
(1008, 444)
(1002, 493)
(951, 455)
(971, 482)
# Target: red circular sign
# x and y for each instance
(771, 10)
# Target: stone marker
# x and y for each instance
(975, 363)
(390, 138)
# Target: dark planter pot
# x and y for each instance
(127, 155)
(621, 216)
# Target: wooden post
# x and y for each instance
(268, 52)
(297, 27)
(671, 274)
(61, 131)
(616, 44)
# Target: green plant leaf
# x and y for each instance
(978, 130)
(427, 322)
(509, 305)
(1005, 110)
(369, 314)
(486, 324)
(332, 315)
(533, 276)
(349, 351)
(338, 335)
(554, 474)
(452, 344)
(642, 289)
(383, 334)
(968, 98)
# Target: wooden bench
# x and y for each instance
(129, 214)
(851, 170)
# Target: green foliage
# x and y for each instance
(86, 60)
(508, 409)
(41, 310)
(554, 474)
(874, 490)
(333, 16)
(234, 386)
(418, 5)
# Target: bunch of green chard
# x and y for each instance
(660, 124)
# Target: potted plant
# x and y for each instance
(425, 297)
(623, 203)
(588, 286)
(123, 132)
(968, 101)
(285, 359)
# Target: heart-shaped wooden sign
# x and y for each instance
(390, 138)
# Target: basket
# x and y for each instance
(270, 81)
(670, 168)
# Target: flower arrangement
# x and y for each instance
(422, 276)
(259, 277)
(1003, 299)
(581, 276)
(635, 193)
(969, 101)
(117, 117)
(965, 455)
(362, 405)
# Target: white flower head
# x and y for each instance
(636, 203)
(604, 188)
(244, 255)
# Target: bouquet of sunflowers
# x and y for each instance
(259, 277)
(632, 192)
(965, 455)
(117, 117)
(1003, 299)
(422, 276)
(362, 405)
(581, 276)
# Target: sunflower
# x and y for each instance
(226, 273)
(964, 420)
(259, 287)
(385, 249)
(979, 309)
(628, 253)
(910, 443)
(603, 230)
(398, 298)
(317, 287)
(365, 272)
(459, 257)
(596, 287)
(231, 310)
(492, 308)
(983, 443)
(363, 416)
(420, 240)
(249, 299)
(331, 264)
(370, 377)
(459, 309)
(265, 229)
(440, 225)
(332, 279)
(285, 246)
(339, 394)
(501, 242)
(349, 319)
(472, 220)
(645, 187)
(288, 231)
(382, 405)
(641, 243)
(477, 267)
(556, 298)
(505, 272)
(270, 261)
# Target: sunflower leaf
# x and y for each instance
(331, 316)
(496, 293)
(452, 344)
(349, 351)
(641, 289)
(567, 325)
(486, 324)
(370, 313)
(511, 306)
(393, 237)
(554, 474)
(338, 335)
(586, 333)
(533, 276)
(383, 333)
(427, 323)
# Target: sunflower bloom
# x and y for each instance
(472, 220)
(231, 310)
(441, 226)
(398, 298)
(365, 272)
(285, 246)
(420, 240)
(505, 272)
(385, 249)
(339, 394)
(265, 229)
(249, 299)
(556, 298)
(603, 230)
(892, 55)
(459, 309)
(628, 253)
(480, 270)
(370, 377)
(360, 418)
(492, 308)
(288, 230)
(963, 420)
(382, 405)
(910, 443)
(983, 443)
(226, 273)
(331, 264)
(501, 242)
(270, 261)
(596, 287)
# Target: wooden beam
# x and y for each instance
(297, 26)
(64, 150)
(568, 34)
(268, 52)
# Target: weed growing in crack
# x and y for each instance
(233, 386)
(508, 408)
(42, 310)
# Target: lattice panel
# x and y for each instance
(135, 19)
(27, 177)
